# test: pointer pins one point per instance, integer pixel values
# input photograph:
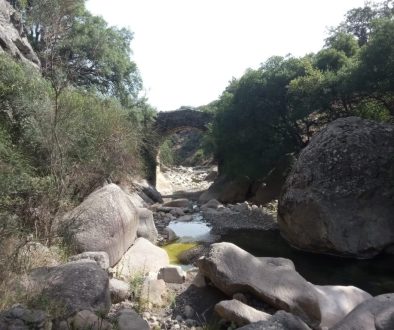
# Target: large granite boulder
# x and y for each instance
(374, 314)
(12, 37)
(143, 257)
(339, 197)
(70, 288)
(106, 221)
(234, 270)
(338, 301)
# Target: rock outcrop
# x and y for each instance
(234, 270)
(13, 40)
(106, 221)
(339, 197)
(374, 314)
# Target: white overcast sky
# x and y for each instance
(188, 50)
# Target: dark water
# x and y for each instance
(375, 276)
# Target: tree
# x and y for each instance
(374, 76)
(80, 49)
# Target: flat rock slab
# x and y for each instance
(234, 270)
(143, 257)
(239, 313)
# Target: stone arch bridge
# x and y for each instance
(170, 122)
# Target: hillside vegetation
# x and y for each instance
(66, 130)
(275, 109)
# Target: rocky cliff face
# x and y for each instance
(12, 38)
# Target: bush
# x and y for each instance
(96, 142)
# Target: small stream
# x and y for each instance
(375, 276)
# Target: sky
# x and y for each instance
(188, 50)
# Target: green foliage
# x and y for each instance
(23, 95)
(255, 124)
(166, 152)
(51, 155)
(275, 109)
(78, 48)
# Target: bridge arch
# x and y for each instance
(170, 122)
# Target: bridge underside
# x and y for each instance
(170, 122)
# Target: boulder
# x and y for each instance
(143, 257)
(279, 321)
(239, 313)
(172, 274)
(106, 221)
(154, 292)
(22, 318)
(101, 258)
(185, 218)
(84, 320)
(71, 287)
(148, 190)
(211, 204)
(181, 202)
(373, 314)
(12, 37)
(234, 270)
(337, 301)
(170, 234)
(190, 256)
(338, 198)
(127, 319)
(119, 290)
(146, 225)
(227, 190)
